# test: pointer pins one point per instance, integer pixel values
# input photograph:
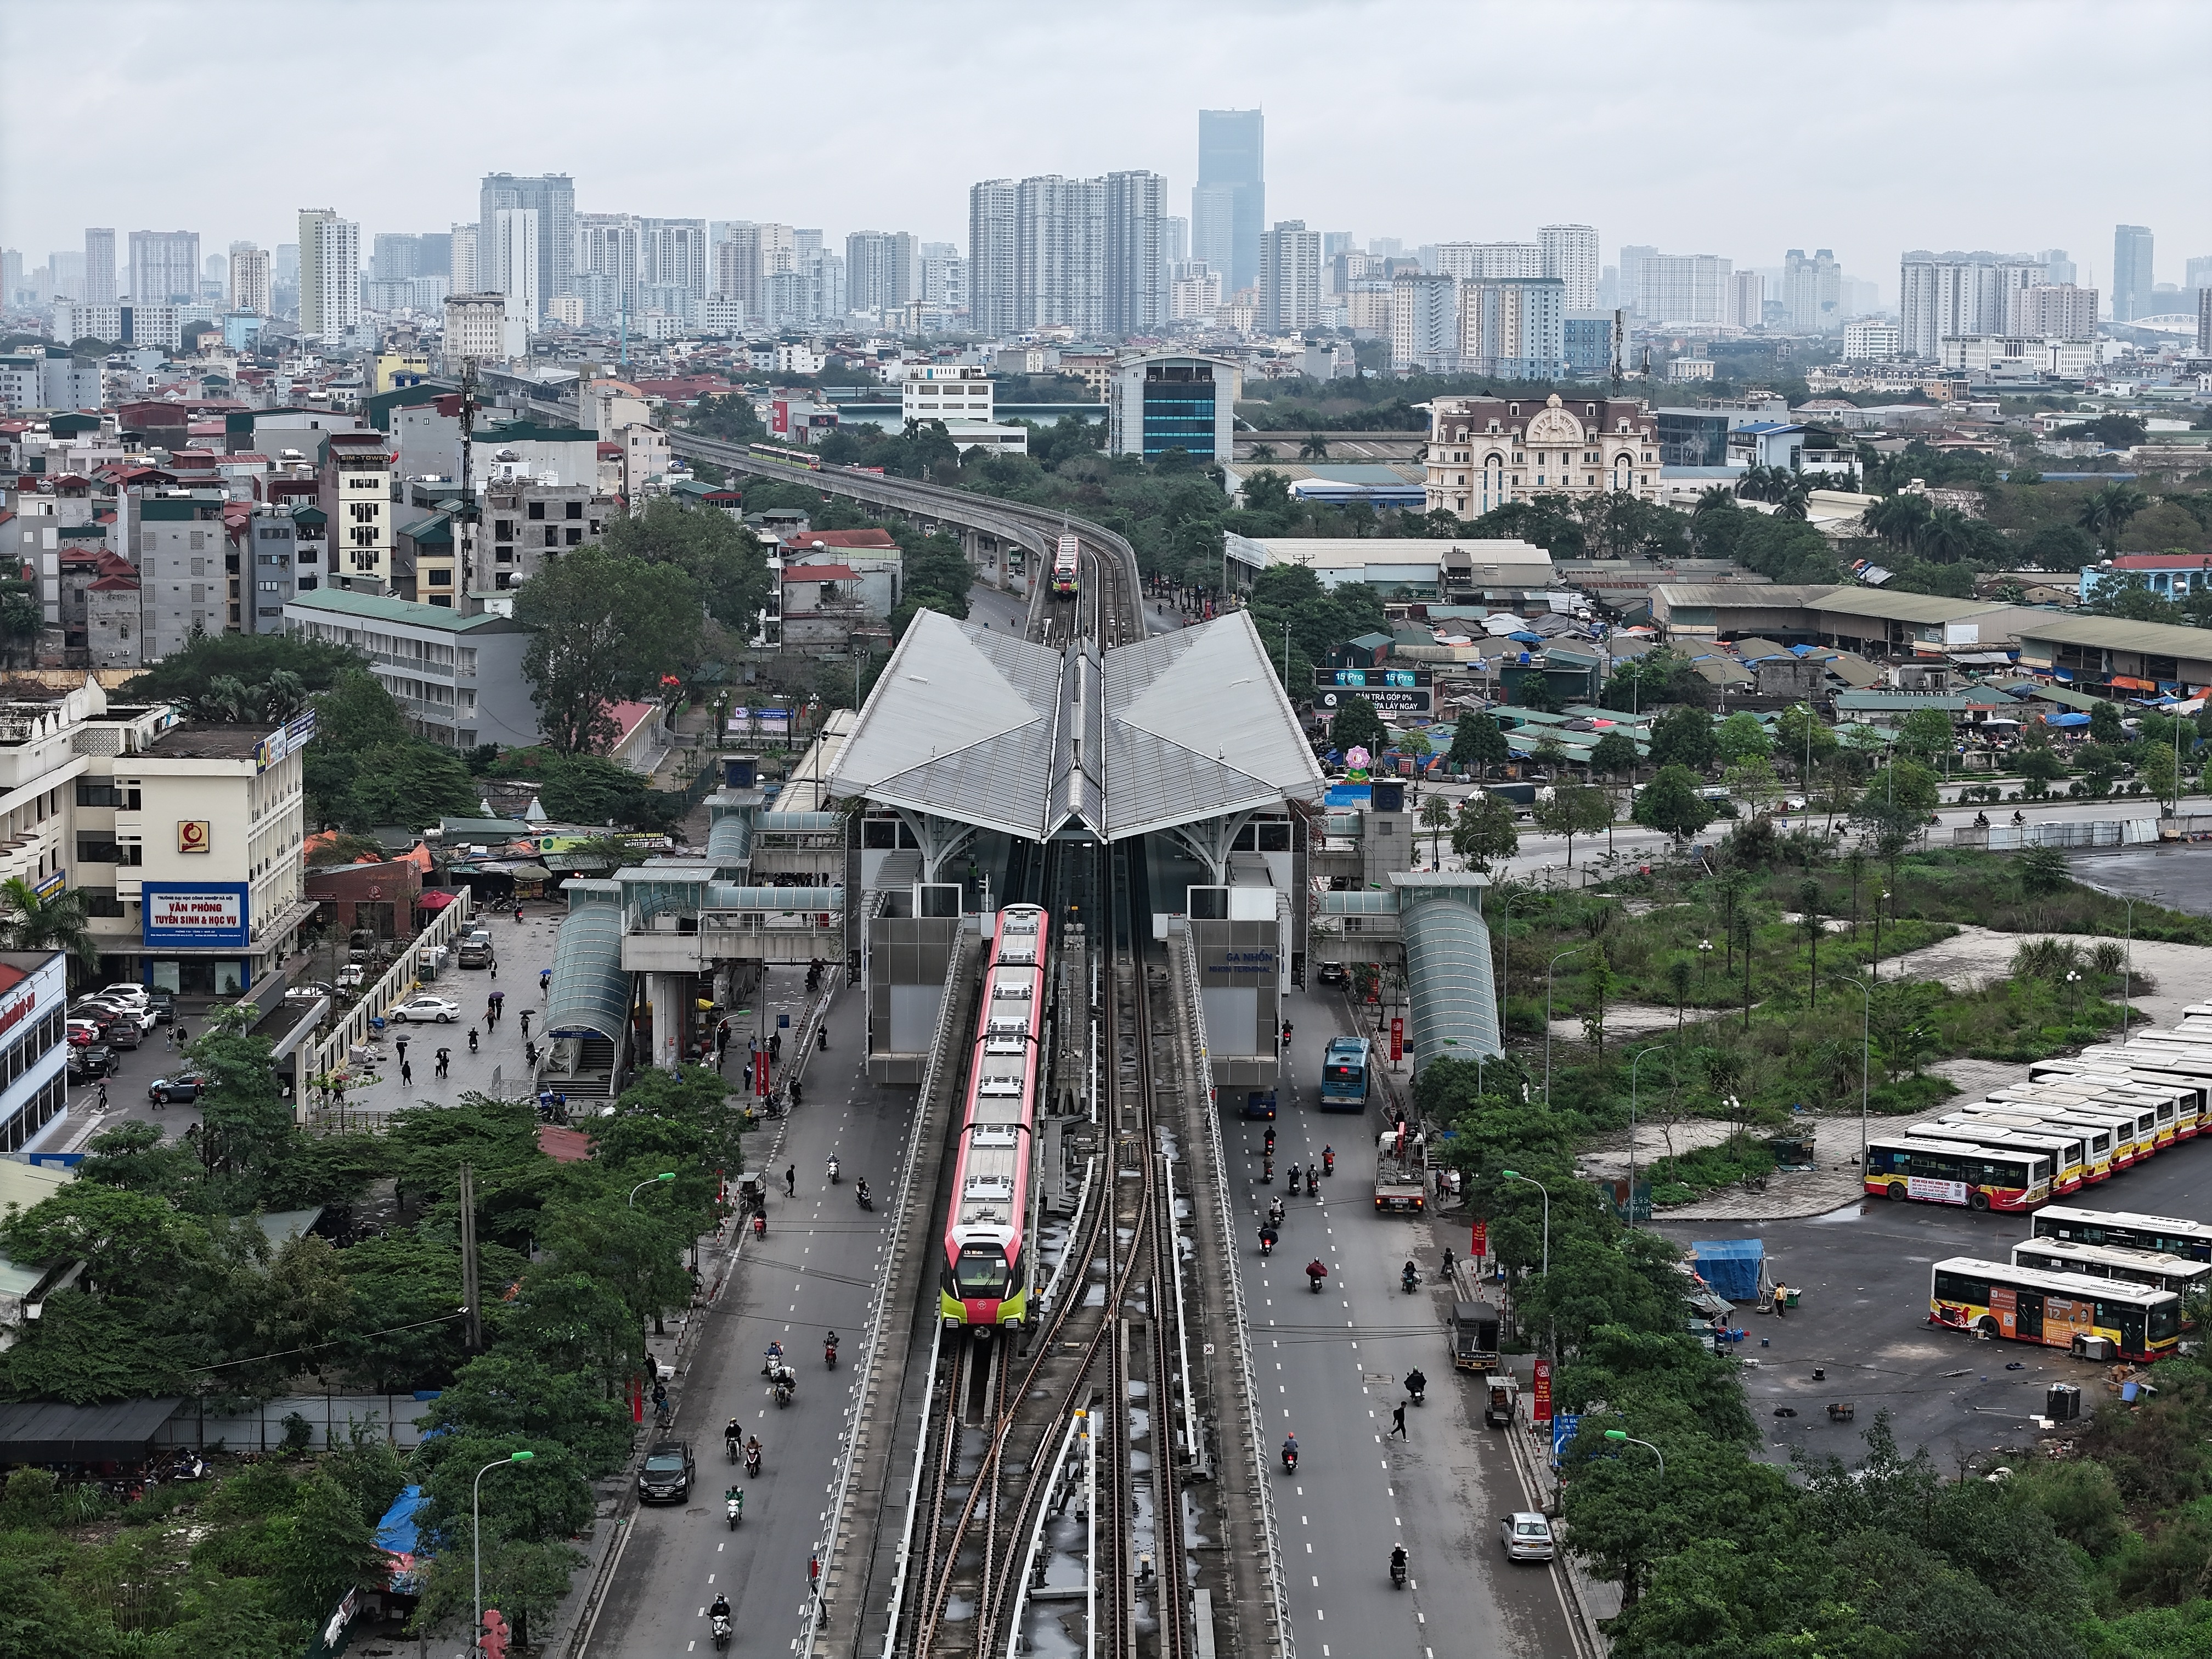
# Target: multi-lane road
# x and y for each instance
(1329, 1369)
(818, 1269)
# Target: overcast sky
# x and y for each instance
(1738, 127)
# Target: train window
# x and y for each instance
(981, 1272)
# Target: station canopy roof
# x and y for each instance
(977, 725)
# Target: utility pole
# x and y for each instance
(473, 1331)
(466, 519)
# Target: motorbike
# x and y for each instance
(1410, 1281)
(862, 1199)
(1313, 1184)
(1290, 1457)
(1417, 1387)
(733, 1506)
(1398, 1568)
(833, 1171)
(771, 1358)
(785, 1385)
(1275, 1213)
(730, 1446)
(753, 1462)
(1266, 1171)
(830, 1355)
(1328, 1160)
(1266, 1241)
(1313, 1279)
(720, 1626)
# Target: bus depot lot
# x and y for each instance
(1863, 1318)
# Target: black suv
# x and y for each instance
(666, 1476)
(1333, 973)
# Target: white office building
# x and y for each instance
(1569, 252)
(1290, 277)
(1490, 261)
(249, 280)
(1681, 287)
(514, 260)
(1946, 296)
(1871, 340)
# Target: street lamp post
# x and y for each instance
(1548, 972)
(1704, 960)
(2128, 965)
(1866, 1050)
(1622, 1436)
(1637, 1062)
(643, 1185)
(1875, 967)
(1511, 1175)
(476, 1537)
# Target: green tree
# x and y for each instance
(506, 1395)
(34, 925)
(411, 786)
(2106, 513)
(322, 1549)
(602, 628)
(1670, 802)
(1809, 919)
(726, 566)
(1477, 743)
(2160, 775)
(1613, 755)
(2104, 723)
(1741, 737)
(1484, 831)
(1895, 807)
(1925, 734)
(1804, 739)
(1436, 819)
(1683, 736)
(127, 1241)
(1358, 726)
(184, 676)
(1599, 983)
(1573, 809)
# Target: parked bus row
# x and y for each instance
(2075, 1122)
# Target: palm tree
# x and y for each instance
(1788, 494)
(225, 701)
(1712, 499)
(30, 923)
(1263, 452)
(1752, 485)
(1897, 519)
(1945, 536)
(1315, 448)
(283, 695)
(2106, 513)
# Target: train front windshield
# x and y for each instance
(981, 1273)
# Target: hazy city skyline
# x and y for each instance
(1857, 159)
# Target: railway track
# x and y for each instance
(1107, 1358)
(1034, 529)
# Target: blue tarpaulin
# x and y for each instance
(2071, 718)
(1731, 1266)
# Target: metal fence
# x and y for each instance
(2102, 832)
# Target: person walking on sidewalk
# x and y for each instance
(1398, 1422)
(790, 1181)
(406, 1075)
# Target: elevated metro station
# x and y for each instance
(984, 769)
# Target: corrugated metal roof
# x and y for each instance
(1889, 606)
(2114, 634)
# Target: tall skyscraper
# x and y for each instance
(1486, 261)
(2132, 281)
(1175, 239)
(249, 280)
(753, 255)
(553, 195)
(517, 260)
(466, 265)
(1811, 291)
(883, 269)
(1059, 254)
(1632, 272)
(2053, 311)
(1950, 295)
(993, 269)
(609, 251)
(1290, 277)
(65, 273)
(1514, 329)
(2058, 269)
(165, 267)
(393, 258)
(1745, 305)
(1135, 299)
(1570, 254)
(943, 276)
(100, 267)
(329, 274)
(675, 255)
(1681, 287)
(1424, 325)
(1229, 203)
